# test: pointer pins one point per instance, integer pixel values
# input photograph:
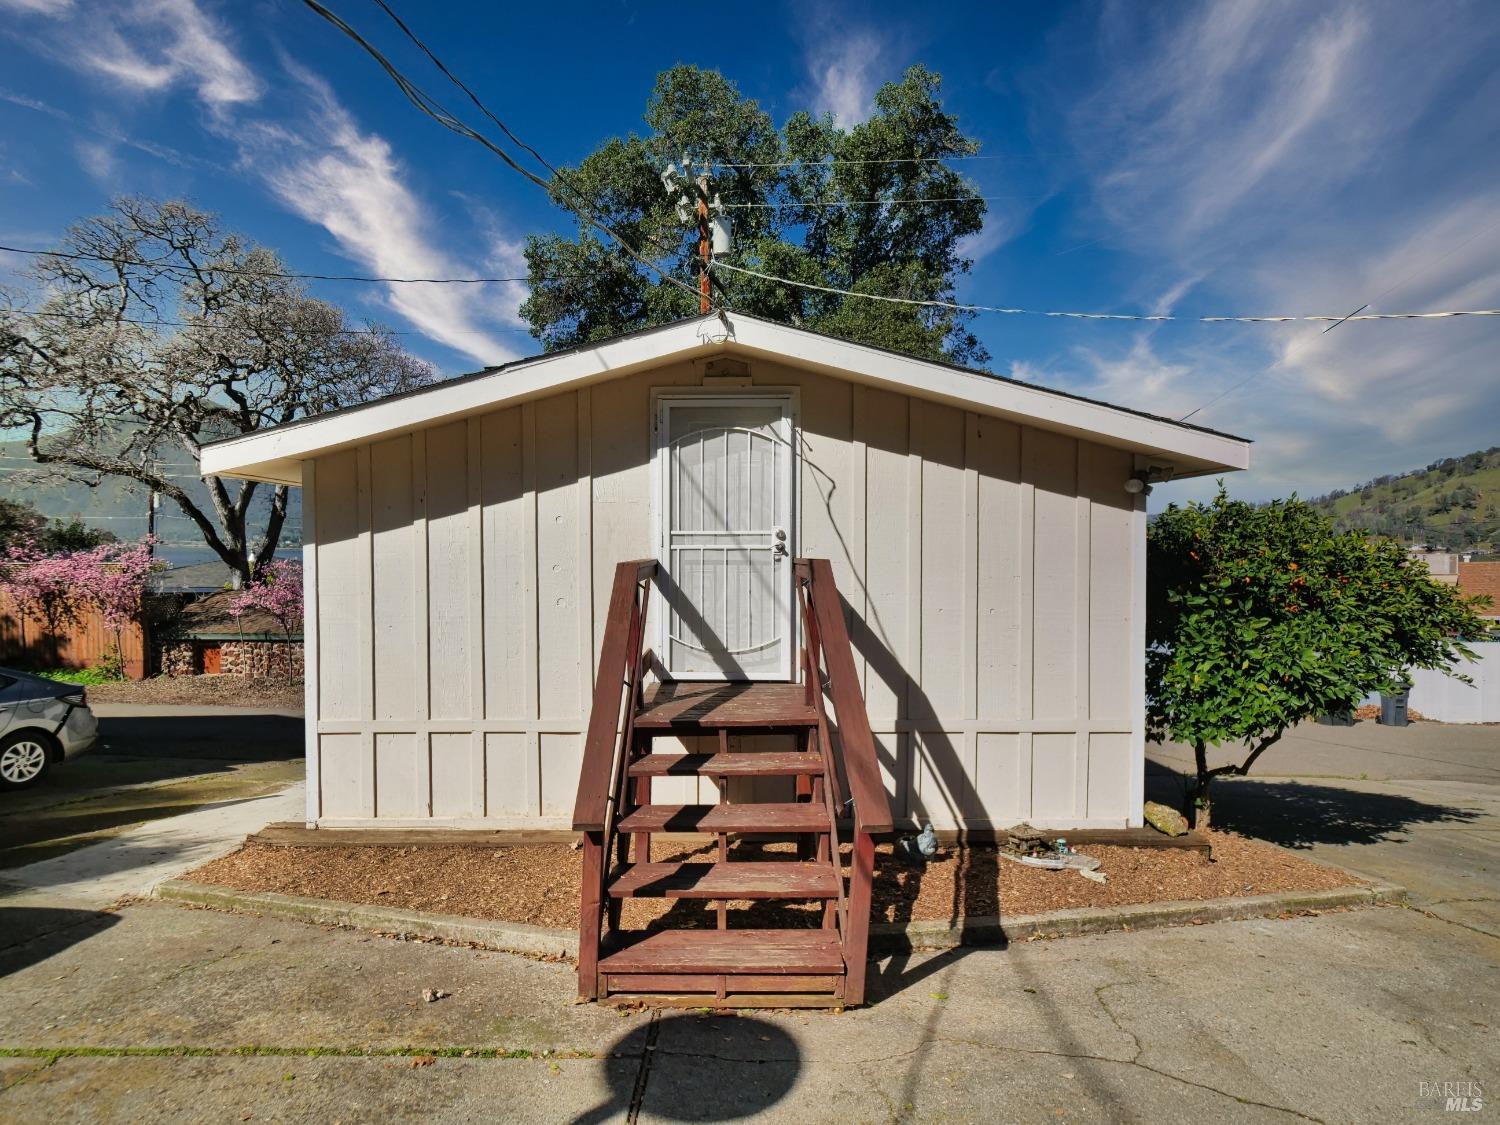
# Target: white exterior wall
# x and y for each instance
(1448, 700)
(994, 572)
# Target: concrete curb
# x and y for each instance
(885, 937)
(898, 937)
(512, 937)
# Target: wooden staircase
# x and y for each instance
(832, 782)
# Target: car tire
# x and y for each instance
(25, 758)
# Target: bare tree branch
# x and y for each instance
(102, 395)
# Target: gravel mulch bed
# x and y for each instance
(538, 884)
(208, 691)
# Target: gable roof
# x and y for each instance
(276, 454)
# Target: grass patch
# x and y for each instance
(84, 676)
(54, 1053)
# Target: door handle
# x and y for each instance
(778, 544)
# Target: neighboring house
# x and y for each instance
(209, 640)
(987, 537)
(1482, 579)
(195, 578)
(1441, 565)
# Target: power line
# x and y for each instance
(109, 321)
(955, 306)
(833, 160)
(434, 109)
(162, 264)
(865, 202)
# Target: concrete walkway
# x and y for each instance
(153, 1012)
(133, 862)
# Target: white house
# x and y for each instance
(987, 536)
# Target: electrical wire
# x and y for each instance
(434, 109)
(829, 162)
(164, 264)
(955, 306)
(110, 320)
(864, 202)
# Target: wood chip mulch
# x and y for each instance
(538, 884)
(203, 691)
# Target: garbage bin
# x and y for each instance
(1338, 719)
(1393, 709)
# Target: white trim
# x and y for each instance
(277, 454)
(789, 399)
(310, 641)
(1135, 812)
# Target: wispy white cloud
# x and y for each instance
(100, 162)
(844, 72)
(148, 46)
(349, 182)
(38, 7)
(1273, 158)
(308, 150)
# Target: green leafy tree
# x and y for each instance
(1259, 618)
(806, 220)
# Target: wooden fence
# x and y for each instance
(24, 642)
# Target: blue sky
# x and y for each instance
(1198, 159)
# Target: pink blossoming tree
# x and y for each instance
(276, 592)
(46, 588)
(57, 589)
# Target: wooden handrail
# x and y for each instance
(872, 809)
(617, 662)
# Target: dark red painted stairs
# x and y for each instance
(729, 966)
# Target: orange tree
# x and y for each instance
(1260, 617)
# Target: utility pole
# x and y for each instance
(152, 500)
(714, 230)
(704, 304)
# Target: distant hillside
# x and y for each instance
(1452, 504)
(120, 506)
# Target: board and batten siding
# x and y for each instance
(993, 573)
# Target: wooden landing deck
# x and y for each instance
(690, 707)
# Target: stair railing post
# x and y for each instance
(589, 920)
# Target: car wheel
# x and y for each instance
(24, 758)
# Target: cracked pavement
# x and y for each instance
(148, 1011)
(1328, 1018)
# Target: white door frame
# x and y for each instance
(662, 400)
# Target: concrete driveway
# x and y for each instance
(1418, 805)
(153, 763)
(190, 1015)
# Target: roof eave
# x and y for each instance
(275, 456)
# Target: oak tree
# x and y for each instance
(811, 201)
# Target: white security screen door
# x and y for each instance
(725, 467)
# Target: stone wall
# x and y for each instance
(236, 658)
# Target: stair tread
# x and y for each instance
(749, 879)
(798, 817)
(749, 764)
(716, 705)
(730, 951)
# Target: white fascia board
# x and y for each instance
(1201, 450)
(276, 455)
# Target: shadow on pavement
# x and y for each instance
(35, 933)
(1299, 814)
(255, 737)
(684, 1067)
